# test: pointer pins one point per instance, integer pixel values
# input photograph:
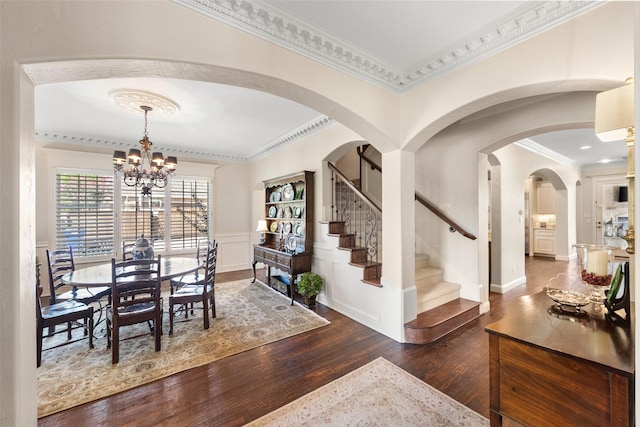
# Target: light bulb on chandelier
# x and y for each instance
(142, 167)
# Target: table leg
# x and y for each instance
(255, 261)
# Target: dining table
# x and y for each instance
(100, 275)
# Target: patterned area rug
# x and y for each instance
(248, 316)
(377, 394)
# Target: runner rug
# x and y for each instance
(377, 394)
(248, 316)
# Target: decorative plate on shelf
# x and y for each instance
(275, 196)
(288, 192)
(297, 212)
(280, 212)
(287, 227)
(272, 212)
(288, 212)
(299, 229)
(291, 242)
(299, 192)
(274, 227)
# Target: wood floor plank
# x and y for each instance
(240, 388)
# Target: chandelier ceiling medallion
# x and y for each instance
(142, 167)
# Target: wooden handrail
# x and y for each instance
(356, 190)
(368, 160)
(452, 225)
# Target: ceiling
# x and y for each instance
(394, 44)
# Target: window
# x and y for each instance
(142, 215)
(189, 212)
(87, 219)
(84, 213)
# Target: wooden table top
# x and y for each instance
(100, 275)
(591, 336)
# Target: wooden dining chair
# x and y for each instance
(202, 291)
(142, 279)
(60, 262)
(127, 250)
(197, 276)
(69, 312)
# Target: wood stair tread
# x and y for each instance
(372, 282)
(438, 322)
(442, 313)
(351, 248)
(365, 264)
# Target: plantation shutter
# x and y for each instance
(84, 213)
(189, 212)
(142, 215)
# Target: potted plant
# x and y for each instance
(309, 285)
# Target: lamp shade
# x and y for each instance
(157, 158)
(262, 226)
(614, 113)
(119, 157)
(623, 194)
(134, 156)
(171, 162)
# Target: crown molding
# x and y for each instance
(270, 147)
(92, 141)
(274, 25)
(540, 150)
(301, 132)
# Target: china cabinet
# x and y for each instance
(288, 243)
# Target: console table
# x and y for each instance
(291, 264)
(551, 368)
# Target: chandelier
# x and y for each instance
(145, 169)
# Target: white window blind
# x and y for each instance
(84, 213)
(86, 220)
(189, 212)
(142, 215)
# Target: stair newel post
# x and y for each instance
(334, 213)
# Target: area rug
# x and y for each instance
(248, 316)
(377, 394)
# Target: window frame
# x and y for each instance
(118, 184)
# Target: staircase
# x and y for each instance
(440, 308)
(371, 270)
(356, 223)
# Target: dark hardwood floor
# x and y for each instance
(243, 387)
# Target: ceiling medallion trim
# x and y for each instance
(273, 25)
(132, 99)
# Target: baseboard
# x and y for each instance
(501, 289)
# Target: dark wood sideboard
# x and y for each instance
(290, 264)
(551, 368)
(288, 241)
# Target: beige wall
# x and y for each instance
(230, 201)
(593, 52)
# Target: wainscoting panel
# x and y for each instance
(235, 251)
